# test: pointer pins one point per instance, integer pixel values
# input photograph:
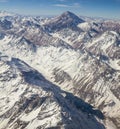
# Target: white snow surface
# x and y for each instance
(72, 70)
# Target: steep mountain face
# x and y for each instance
(106, 48)
(78, 37)
(29, 101)
(111, 25)
(66, 20)
(5, 24)
(80, 57)
(30, 29)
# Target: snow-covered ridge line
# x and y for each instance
(33, 101)
(40, 55)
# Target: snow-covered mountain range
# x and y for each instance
(59, 73)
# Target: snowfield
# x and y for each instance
(59, 74)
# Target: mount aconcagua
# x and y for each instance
(59, 73)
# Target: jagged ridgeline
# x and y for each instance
(59, 73)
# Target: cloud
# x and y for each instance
(61, 5)
(62, 0)
(74, 5)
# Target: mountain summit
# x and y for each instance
(72, 17)
(59, 73)
(65, 20)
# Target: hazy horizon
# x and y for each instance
(90, 8)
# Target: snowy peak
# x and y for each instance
(39, 56)
(5, 13)
(69, 15)
(66, 20)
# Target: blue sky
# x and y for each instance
(99, 8)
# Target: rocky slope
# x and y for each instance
(80, 57)
(29, 101)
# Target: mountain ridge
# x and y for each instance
(37, 97)
(76, 63)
